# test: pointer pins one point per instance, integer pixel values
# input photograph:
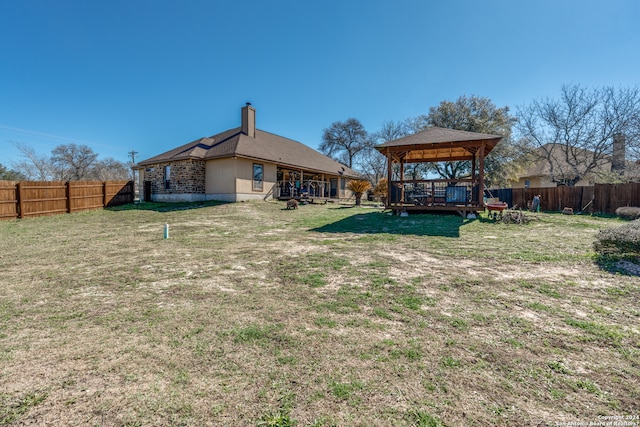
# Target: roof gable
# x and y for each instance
(264, 146)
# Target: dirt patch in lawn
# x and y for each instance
(320, 316)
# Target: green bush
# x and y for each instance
(628, 212)
(623, 240)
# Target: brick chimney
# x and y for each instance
(249, 120)
(618, 158)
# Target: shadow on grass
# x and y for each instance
(165, 207)
(625, 266)
(381, 222)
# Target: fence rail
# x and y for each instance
(600, 198)
(21, 199)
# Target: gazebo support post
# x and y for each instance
(402, 179)
(481, 174)
(389, 174)
(474, 179)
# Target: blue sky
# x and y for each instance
(151, 75)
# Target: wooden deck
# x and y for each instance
(462, 210)
(437, 195)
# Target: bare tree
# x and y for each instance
(395, 130)
(110, 169)
(416, 124)
(634, 132)
(372, 164)
(391, 130)
(69, 163)
(574, 134)
(73, 162)
(33, 166)
(344, 141)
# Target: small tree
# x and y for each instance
(357, 187)
(10, 174)
(380, 190)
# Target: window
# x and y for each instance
(258, 173)
(167, 177)
(527, 183)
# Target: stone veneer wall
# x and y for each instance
(187, 177)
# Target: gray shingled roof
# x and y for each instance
(437, 135)
(265, 146)
(439, 144)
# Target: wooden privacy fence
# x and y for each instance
(21, 199)
(601, 198)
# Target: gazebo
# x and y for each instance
(436, 144)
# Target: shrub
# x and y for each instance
(628, 212)
(358, 185)
(380, 190)
(623, 240)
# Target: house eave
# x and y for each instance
(285, 165)
(150, 162)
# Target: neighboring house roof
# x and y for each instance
(540, 166)
(437, 144)
(264, 146)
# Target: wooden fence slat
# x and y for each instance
(9, 199)
(600, 198)
(68, 190)
(20, 199)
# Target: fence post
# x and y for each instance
(20, 206)
(104, 194)
(68, 194)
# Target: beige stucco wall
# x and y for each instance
(543, 182)
(535, 182)
(232, 180)
(218, 176)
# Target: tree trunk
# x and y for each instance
(358, 199)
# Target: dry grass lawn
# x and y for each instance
(250, 314)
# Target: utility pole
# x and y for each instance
(132, 155)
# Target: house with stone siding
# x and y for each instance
(241, 164)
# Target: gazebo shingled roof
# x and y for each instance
(439, 145)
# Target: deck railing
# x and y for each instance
(434, 192)
(308, 188)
